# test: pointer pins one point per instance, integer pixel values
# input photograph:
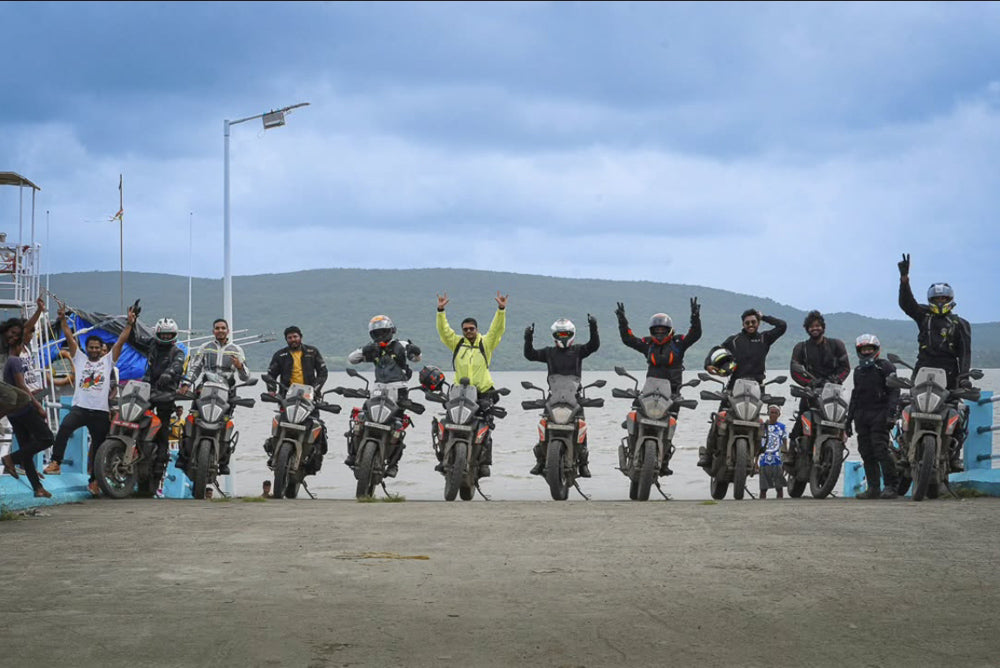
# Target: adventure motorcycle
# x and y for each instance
(295, 432)
(933, 422)
(739, 430)
(648, 447)
(128, 455)
(820, 452)
(461, 435)
(562, 429)
(377, 430)
(209, 430)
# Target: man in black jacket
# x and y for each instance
(663, 348)
(298, 363)
(826, 361)
(565, 358)
(872, 409)
(749, 348)
(944, 341)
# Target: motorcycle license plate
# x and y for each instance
(122, 423)
(655, 423)
(560, 427)
(376, 425)
(457, 427)
(926, 416)
(832, 425)
(290, 425)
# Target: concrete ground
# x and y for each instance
(341, 583)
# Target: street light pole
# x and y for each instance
(272, 119)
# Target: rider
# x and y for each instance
(300, 363)
(471, 356)
(664, 350)
(747, 350)
(944, 339)
(164, 370)
(390, 357)
(563, 359)
(872, 409)
(826, 361)
(221, 357)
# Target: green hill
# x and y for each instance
(333, 306)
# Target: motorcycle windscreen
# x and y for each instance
(746, 399)
(655, 398)
(213, 401)
(834, 405)
(930, 390)
(463, 402)
(133, 400)
(299, 402)
(562, 402)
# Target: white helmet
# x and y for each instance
(864, 341)
(563, 332)
(165, 330)
(381, 329)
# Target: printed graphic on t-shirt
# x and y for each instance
(772, 444)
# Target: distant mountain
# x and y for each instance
(333, 306)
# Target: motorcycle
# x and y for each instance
(128, 455)
(931, 423)
(209, 429)
(820, 452)
(650, 426)
(562, 429)
(461, 435)
(378, 429)
(294, 434)
(739, 430)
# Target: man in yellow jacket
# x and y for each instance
(471, 356)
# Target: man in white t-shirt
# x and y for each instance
(93, 373)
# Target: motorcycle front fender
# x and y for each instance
(297, 448)
(128, 443)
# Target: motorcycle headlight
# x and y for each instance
(379, 413)
(834, 412)
(460, 414)
(562, 414)
(655, 406)
(296, 414)
(746, 410)
(928, 402)
(130, 411)
(210, 412)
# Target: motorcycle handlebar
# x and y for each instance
(532, 404)
(619, 393)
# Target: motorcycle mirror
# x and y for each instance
(250, 383)
(503, 391)
(704, 376)
(598, 383)
(267, 378)
(526, 385)
(694, 382)
(352, 372)
(620, 370)
(976, 374)
(778, 380)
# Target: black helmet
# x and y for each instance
(722, 360)
(431, 378)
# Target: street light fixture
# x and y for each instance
(271, 119)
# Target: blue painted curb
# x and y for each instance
(66, 488)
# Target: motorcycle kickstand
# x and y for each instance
(747, 490)
(577, 485)
(215, 483)
(950, 491)
(306, 487)
(660, 490)
(481, 492)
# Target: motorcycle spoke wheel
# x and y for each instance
(112, 476)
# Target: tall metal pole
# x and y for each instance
(227, 280)
(121, 241)
(190, 268)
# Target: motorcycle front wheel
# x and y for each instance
(113, 478)
(742, 447)
(825, 473)
(555, 471)
(366, 470)
(455, 472)
(925, 467)
(282, 470)
(202, 463)
(647, 474)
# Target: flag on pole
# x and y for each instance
(121, 202)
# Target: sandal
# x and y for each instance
(42, 493)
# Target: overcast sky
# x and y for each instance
(789, 150)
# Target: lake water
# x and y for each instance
(513, 440)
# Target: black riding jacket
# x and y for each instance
(750, 352)
(663, 360)
(563, 361)
(945, 341)
(391, 359)
(871, 395)
(164, 362)
(313, 367)
(826, 360)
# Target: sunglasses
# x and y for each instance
(468, 329)
(749, 322)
